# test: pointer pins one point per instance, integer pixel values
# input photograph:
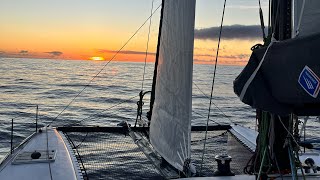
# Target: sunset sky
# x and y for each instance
(83, 29)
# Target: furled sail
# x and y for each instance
(306, 17)
(171, 116)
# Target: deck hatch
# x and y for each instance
(25, 157)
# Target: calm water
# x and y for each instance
(110, 98)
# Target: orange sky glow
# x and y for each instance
(85, 30)
(232, 52)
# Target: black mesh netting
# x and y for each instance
(116, 156)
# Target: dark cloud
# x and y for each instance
(23, 52)
(125, 52)
(55, 53)
(204, 55)
(205, 49)
(238, 56)
(226, 62)
(230, 32)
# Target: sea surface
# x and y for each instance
(108, 99)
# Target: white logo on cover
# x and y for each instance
(309, 84)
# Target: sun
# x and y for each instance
(97, 58)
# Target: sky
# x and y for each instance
(97, 29)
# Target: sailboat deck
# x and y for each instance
(114, 155)
(57, 164)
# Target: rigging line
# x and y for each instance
(213, 137)
(29, 111)
(108, 108)
(48, 159)
(276, 18)
(262, 22)
(85, 137)
(293, 138)
(116, 53)
(204, 117)
(147, 48)
(213, 103)
(213, 80)
(300, 17)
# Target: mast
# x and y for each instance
(281, 11)
(154, 80)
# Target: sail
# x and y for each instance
(307, 14)
(171, 116)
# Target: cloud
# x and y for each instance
(223, 61)
(238, 56)
(55, 53)
(24, 52)
(125, 52)
(203, 55)
(230, 32)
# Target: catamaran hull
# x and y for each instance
(61, 163)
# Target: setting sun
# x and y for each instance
(97, 58)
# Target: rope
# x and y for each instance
(108, 109)
(204, 117)
(213, 80)
(147, 48)
(263, 158)
(85, 137)
(276, 18)
(213, 137)
(23, 112)
(262, 22)
(125, 44)
(263, 139)
(292, 163)
(78, 154)
(289, 133)
(300, 18)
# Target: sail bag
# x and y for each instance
(171, 115)
(288, 79)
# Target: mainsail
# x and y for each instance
(306, 17)
(171, 118)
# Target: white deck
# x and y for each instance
(63, 167)
(248, 137)
(238, 177)
(247, 177)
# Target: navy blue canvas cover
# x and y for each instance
(281, 84)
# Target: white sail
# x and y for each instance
(170, 129)
(306, 17)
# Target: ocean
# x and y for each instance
(109, 99)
